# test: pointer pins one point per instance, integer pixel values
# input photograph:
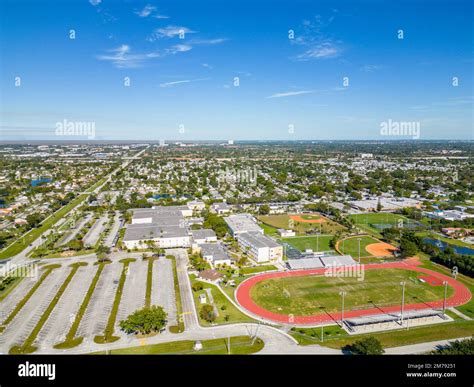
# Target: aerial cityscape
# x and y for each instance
(272, 178)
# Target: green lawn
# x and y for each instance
(309, 336)
(467, 309)
(268, 230)
(350, 246)
(179, 306)
(415, 335)
(313, 294)
(239, 345)
(220, 300)
(257, 269)
(315, 243)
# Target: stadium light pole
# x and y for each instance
(403, 283)
(342, 294)
(445, 283)
(359, 239)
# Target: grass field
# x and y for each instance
(335, 337)
(233, 314)
(315, 243)
(239, 345)
(284, 221)
(367, 221)
(415, 335)
(350, 246)
(257, 269)
(304, 296)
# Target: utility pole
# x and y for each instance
(342, 294)
(403, 283)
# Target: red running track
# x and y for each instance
(461, 295)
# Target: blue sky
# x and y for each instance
(183, 87)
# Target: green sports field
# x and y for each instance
(284, 221)
(367, 221)
(320, 243)
(304, 296)
(350, 246)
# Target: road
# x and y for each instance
(22, 257)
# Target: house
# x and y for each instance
(455, 232)
(221, 208)
(260, 247)
(196, 205)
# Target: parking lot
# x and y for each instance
(96, 314)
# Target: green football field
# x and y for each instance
(304, 296)
(320, 243)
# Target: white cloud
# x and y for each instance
(179, 48)
(121, 57)
(320, 51)
(95, 2)
(317, 44)
(174, 83)
(290, 94)
(209, 41)
(207, 66)
(149, 10)
(146, 11)
(169, 32)
(370, 68)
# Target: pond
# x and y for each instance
(442, 245)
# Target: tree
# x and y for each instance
(458, 347)
(145, 321)
(368, 346)
(101, 251)
(408, 248)
(379, 206)
(34, 219)
(207, 313)
(264, 210)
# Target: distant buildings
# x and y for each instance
(388, 204)
(449, 215)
